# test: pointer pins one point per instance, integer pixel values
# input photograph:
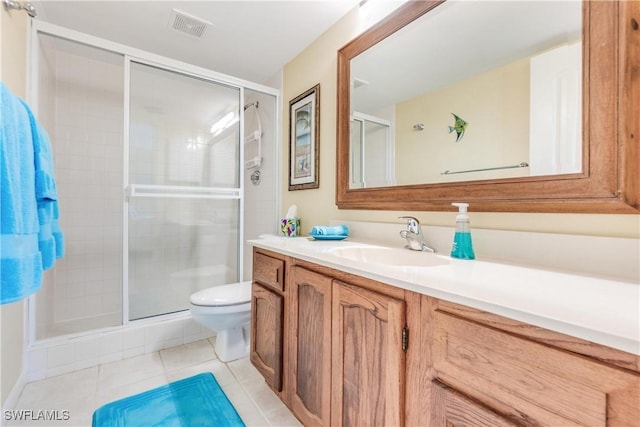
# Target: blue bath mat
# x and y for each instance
(193, 401)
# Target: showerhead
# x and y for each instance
(31, 10)
(251, 104)
(16, 5)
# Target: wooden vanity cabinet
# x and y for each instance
(335, 347)
(329, 344)
(345, 351)
(268, 318)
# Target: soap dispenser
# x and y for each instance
(462, 245)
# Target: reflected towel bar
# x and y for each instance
(519, 165)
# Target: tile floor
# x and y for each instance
(81, 392)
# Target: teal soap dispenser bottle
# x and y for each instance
(462, 245)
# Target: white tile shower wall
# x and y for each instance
(59, 356)
(260, 210)
(87, 142)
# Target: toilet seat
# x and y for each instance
(223, 295)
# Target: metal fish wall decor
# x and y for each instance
(459, 126)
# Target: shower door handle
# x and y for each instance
(175, 191)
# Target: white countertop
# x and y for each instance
(601, 310)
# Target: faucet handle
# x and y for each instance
(412, 223)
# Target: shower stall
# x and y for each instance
(150, 167)
(372, 162)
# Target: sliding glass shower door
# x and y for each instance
(80, 103)
(184, 188)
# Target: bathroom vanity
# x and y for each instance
(354, 334)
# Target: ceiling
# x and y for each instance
(251, 40)
(458, 40)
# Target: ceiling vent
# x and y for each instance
(187, 24)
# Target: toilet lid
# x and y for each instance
(231, 294)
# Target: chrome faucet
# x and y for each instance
(414, 236)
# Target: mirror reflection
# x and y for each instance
(472, 90)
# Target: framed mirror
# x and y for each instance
(477, 123)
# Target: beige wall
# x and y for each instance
(497, 133)
(13, 60)
(317, 64)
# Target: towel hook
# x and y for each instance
(16, 5)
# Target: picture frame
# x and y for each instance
(304, 140)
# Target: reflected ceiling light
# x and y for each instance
(226, 121)
(193, 144)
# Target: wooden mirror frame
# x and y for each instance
(609, 181)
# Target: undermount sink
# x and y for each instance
(389, 256)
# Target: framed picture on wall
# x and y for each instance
(304, 140)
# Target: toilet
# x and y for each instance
(225, 309)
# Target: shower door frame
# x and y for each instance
(130, 54)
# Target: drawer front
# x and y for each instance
(530, 382)
(268, 271)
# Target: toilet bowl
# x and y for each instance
(225, 309)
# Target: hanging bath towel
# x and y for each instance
(29, 232)
(50, 239)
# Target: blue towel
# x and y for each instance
(51, 247)
(28, 201)
(324, 230)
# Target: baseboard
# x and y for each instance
(16, 391)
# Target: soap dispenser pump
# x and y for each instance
(462, 245)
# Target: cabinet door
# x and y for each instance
(452, 409)
(368, 360)
(310, 346)
(266, 334)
